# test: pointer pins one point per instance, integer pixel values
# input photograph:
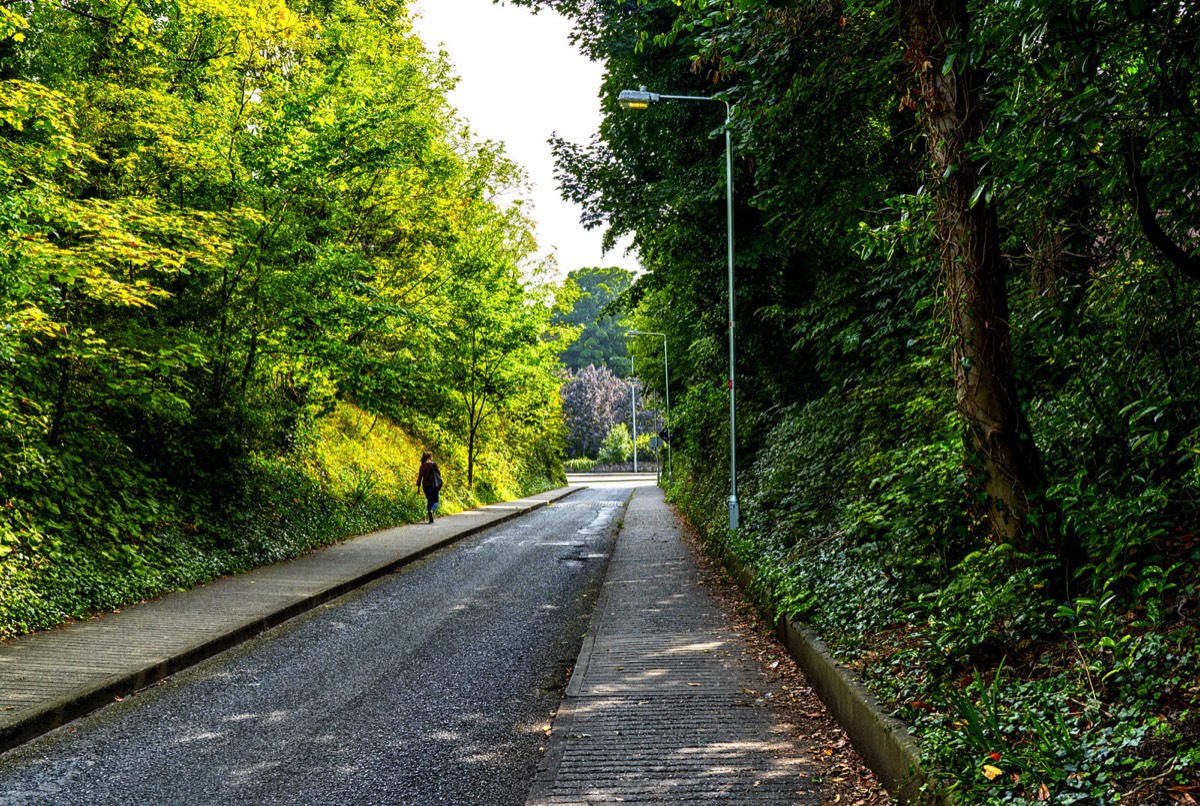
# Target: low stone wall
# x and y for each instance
(627, 467)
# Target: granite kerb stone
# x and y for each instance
(884, 742)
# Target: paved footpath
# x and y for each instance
(52, 677)
(666, 703)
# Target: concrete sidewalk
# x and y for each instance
(666, 704)
(52, 677)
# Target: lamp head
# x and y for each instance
(636, 99)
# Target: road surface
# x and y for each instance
(432, 685)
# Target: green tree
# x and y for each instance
(962, 228)
(617, 446)
(601, 341)
(219, 222)
(781, 265)
(489, 336)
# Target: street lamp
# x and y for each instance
(667, 387)
(641, 99)
(633, 409)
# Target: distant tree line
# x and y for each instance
(597, 389)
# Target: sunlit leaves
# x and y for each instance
(218, 218)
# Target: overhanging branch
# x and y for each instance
(1148, 217)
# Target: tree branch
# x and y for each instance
(1148, 217)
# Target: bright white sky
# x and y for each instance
(521, 80)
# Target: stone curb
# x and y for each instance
(50, 715)
(882, 740)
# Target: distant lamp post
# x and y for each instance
(641, 99)
(667, 388)
(633, 409)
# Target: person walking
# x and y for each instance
(429, 480)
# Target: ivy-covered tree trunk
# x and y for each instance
(953, 117)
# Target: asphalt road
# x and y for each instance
(433, 685)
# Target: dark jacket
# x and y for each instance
(428, 478)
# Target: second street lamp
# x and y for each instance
(667, 390)
(641, 99)
(633, 409)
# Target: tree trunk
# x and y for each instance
(1046, 254)
(471, 455)
(972, 267)
(65, 372)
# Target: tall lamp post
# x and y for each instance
(641, 99)
(667, 388)
(633, 409)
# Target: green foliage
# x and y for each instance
(494, 360)
(617, 446)
(351, 473)
(867, 482)
(843, 518)
(1058, 738)
(223, 226)
(602, 340)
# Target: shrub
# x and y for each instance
(617, 446)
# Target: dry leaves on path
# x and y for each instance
(847, 777)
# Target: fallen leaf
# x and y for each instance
(991, 772)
